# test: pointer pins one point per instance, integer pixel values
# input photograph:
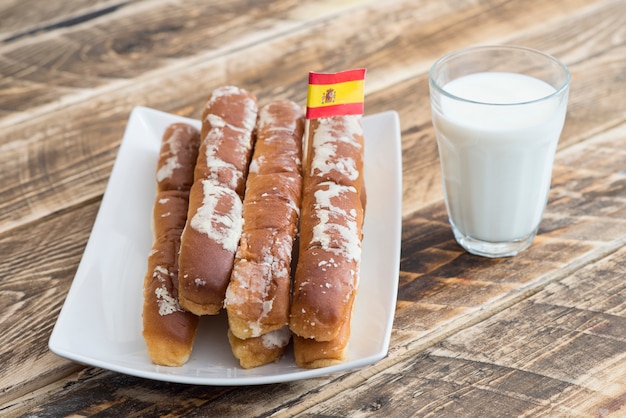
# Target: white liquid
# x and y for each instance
(496, 160)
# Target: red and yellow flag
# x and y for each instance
(335, 94)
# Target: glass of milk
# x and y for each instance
(498, 112)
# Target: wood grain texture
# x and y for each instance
(561, 352)
(138, 40)
(37, 263)
(468, 331)
(24, 18)
(69, 151)
(442, 290)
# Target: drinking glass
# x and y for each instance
(498, 112)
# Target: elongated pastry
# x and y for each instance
(312, 354)
(214, 221)
(168, 330)
(327, 273)
(257, 298)
(257, 351)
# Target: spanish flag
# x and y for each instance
(335, 94)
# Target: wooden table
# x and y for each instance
(539, 334)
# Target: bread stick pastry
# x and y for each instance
(312, 354)
(177, 157)
(211, 234)
(168, 330)
(257, 351)
(257, 299)
(327, 273)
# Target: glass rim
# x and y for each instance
(453, 54)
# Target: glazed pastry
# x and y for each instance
(214, 221)
(257, 351)
(327, 274)
(257, 298)
(168, 330)
(312, 354)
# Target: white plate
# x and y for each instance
(100, 322)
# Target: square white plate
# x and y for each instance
(100, 322)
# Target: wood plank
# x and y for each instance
(50, 206)
(139, 39)
(22, 18)
(61, 68)
(561, 352)
(39, 262)
(442, 289)
(584, 213)
(96, 391)
(89, 136)
(515, 372)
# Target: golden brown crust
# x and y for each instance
(177, 157)
(169, 211)
(312, 354)
(322, 302)
(257, 299)
(213, 227)
(327, 273)
(204, 261)
(169, 331)
(255, 352)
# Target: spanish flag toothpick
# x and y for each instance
(335, 94)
